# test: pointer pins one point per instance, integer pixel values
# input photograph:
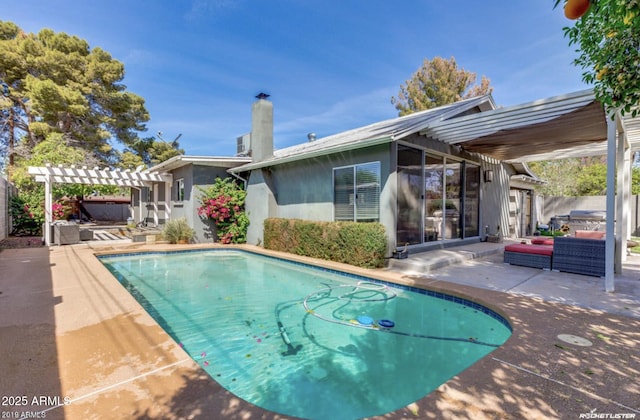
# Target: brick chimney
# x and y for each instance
(261, 128)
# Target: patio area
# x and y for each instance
(78, 346)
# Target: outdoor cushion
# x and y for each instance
(590, 234)
(530, 249)
(542, 241)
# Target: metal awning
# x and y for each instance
(572, 125)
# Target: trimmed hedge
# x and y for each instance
(359, 244)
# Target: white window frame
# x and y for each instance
(180, 189)
(357, 197)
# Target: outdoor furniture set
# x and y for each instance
(583, 253)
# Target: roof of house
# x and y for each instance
(183, 160)
(376, 133)
(570, 125)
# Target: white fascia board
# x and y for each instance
(182, 160)
(312, 154)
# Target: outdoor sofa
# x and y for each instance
(583, 253)
(537, 254)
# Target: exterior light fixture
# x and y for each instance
(488, 175)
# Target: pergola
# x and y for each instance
(50, 175)
(572, 125)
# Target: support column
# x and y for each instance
(167, 200)
(155, 204)
(48, 202)
(609, 285)
(620, 203)
(623, 196)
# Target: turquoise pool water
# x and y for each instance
(304, 341)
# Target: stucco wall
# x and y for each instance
(304, 189)
(199, 177)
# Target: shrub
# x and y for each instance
(178, 230)
(359, 244)
(223, 205)
(25, 220)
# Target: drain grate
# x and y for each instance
(575, 340)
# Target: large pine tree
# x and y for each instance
(54, 83)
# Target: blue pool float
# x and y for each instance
(385, 323)
(365, 320)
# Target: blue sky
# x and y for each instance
(329, 66)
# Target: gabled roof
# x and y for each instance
(377, 133)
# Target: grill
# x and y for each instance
(587, 220)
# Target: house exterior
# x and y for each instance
(180, 197)
(425, 192)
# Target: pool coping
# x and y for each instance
(533, 375)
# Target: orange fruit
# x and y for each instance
(574, 9)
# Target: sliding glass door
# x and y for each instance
(471, 200)
(433, 193)
(410, 191)
(452, 200)
(437, 197)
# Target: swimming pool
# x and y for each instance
(305, 341)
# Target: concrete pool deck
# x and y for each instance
(69, 330)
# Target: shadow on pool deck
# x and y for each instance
(68, 329)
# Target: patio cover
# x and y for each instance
(572, 125)
(71, 175)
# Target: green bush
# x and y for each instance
(178, 230)
(26, 220)
(359, 244)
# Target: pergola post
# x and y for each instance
(48, 202)
(623, 166)
(609, 285)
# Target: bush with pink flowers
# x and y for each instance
(57, 211)
(223, 205)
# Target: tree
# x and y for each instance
(578, 176)
(608, 38)
(147, 152)
(592, 180)
(55, 83)
(52, 150)
(559, 175)
(438, 82)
